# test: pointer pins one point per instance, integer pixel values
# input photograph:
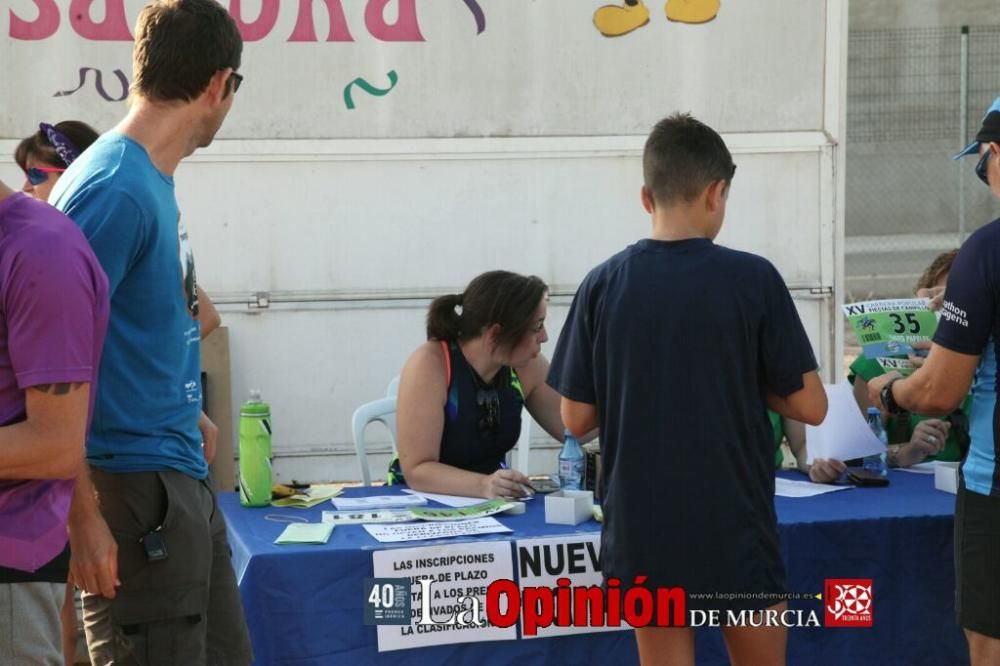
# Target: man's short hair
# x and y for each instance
(682, 157)
(179, 46)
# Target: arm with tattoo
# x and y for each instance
(49, 442)
(55, 313)
(57, 389)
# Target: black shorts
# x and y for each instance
(977, 562)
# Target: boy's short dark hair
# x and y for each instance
(682, 157)
(179, 46)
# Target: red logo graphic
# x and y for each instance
(848, 602)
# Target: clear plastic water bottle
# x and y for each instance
(255, 451)
(572, 463)
(877, 461)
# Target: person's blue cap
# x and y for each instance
(988, 133)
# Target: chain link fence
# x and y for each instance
(915, 97)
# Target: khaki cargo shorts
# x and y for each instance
(183, 608)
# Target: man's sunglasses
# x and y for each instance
(237, 80)
(981, 167)
(489, 410)
(38, 175)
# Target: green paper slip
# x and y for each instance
(480, 510)
(306, 533)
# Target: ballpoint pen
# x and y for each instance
(527, 490)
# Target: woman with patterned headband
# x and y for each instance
(44, 155)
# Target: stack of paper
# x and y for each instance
(378, 502)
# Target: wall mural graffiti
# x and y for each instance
(99, 84)
(402, 25)
(368, 88)
(618, 20)
(477, 12)
(114, 27)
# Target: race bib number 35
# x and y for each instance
(889, 328)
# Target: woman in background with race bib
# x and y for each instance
(914, 438)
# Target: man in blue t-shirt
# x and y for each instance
(151, 550)
(676, 347)
(965, 347)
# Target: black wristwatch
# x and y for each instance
(886, 397)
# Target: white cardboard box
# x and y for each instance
(946, 476)
(569, 507)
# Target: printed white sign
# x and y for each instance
(541, 562)
(435, 530)
(362, 517)
(454, 579)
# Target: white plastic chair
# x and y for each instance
(382, 410)
(524, 443)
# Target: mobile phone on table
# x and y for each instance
(862, 477)
(544, 485)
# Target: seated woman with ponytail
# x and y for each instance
(461, 393)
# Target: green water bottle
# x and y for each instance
(255, 451)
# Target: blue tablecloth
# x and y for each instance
(304, 605)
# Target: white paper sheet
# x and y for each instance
(789, 488)
(447, 500)
(844, 434)
(377, 502)
(439, 530)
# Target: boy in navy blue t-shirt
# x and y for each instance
(675, 347)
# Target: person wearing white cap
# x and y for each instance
(965, 347)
